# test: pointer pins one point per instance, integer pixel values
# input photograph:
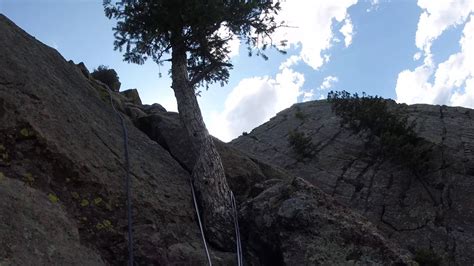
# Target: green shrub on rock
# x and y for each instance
(301, 144)
(388, 134)
(107, 76)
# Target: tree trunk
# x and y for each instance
(208, 175)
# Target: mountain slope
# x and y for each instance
(431, 214)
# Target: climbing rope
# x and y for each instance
(237, 230)
(200, 224)
(129, 203)
(128, 185)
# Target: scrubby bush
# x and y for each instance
(299, 114)
(301, 144)
(388, 134)
(107, 76)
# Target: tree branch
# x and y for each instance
(208, 69)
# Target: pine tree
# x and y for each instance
(188, 30)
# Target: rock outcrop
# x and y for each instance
(430, 215)
(62, 187)
(62, 156)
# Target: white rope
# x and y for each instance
(200, 224)
(237, 230)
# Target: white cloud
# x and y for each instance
(169, 103)
(347, 30)
(310, 26)
(291, 61)
(308, 95)
(451, 81)
(438, 16)
(374, 5)
(234, 43)
(417, 56)
(255, 100)
(328, 82)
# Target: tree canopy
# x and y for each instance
(193, 34)
(148, 28)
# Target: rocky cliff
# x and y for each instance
(430, 215)
(62, 187)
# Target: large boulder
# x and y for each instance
(294, 223)
(132, 96)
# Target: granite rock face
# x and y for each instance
(62, 186)
(430, 214)
(62, 155)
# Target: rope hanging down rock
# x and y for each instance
(129, 203)
(127, 182)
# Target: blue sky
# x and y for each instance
(413, 51)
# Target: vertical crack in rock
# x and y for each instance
(358, 183)
(341, 177)
(371, 183)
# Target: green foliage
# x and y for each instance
(105, 225)
(26, 133)
(388, 134)
(84, 203)
(53, 198)
(301, 144)
(155, 28)
(300, 115)
(107, 76)
(427, 257)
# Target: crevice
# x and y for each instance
(426, 188)
(320, 146)
(369, 189)
(341, 177)
(357, 182)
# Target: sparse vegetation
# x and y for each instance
(300, 115)
(53, 198)
(301, 144)
(387, 134)
(107, 76)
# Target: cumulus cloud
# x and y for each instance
(328, 82)
(311, 30)
(347, 30)
(438, 16)
(291, 61)
(310, 27)
(255, 100)
(449, 82)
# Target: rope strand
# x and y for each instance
(127, 183)
(200, 224)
